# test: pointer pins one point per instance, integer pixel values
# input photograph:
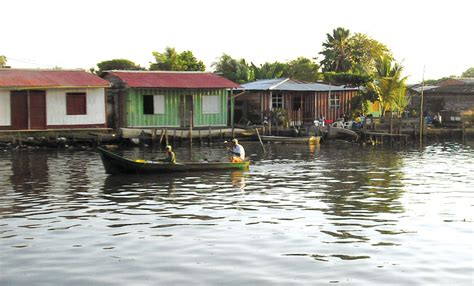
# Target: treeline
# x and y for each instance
(346, 59)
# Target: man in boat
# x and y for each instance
(170, 155)
(238, 152)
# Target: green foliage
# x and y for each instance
(116, 64)
(279, 116)
(235, 70)
(365, 52)
(436, 81)
(303, 69)
(171, 60)
(389, 85)
(3, 61)
(347, 79)
(270, 70)
(400, 100)
(356, 54)
(337, 52)
(468, 73)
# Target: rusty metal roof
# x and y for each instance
(38, 78)
(170, 79)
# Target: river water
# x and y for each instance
(332, 214)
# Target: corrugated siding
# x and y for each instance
(331, 113)
(5, 115)
(217, 119)
(171, 117)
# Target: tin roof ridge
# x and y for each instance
(142, 71)
(41, 69)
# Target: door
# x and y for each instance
(37, 109)
(186, 111)
(19, 109)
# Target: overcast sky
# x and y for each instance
(437, 35)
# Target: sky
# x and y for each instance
(432, 39)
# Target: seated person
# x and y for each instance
(170, 155)
(238, 152)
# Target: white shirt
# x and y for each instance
(239, 149)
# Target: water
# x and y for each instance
(338, 214)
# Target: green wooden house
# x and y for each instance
(150, 99)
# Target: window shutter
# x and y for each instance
(76, 103)
(210, 104)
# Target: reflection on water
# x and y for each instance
(301, 215)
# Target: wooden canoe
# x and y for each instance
(292, 140)
(115, 164)
(342, 133)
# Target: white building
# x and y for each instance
(35, 99)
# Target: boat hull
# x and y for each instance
(115, 164)
(342, 133)
(291, 140)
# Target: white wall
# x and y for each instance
(5, 108)
(56, 107)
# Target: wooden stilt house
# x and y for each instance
(301, 102)
(150, 99)
(35, 99)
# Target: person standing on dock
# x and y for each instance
(238, 152)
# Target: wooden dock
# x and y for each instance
(384, 138)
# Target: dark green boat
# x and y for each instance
(115, 164)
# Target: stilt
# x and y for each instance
(174, 137)
(210, 138)
(199, 135)
(153, 136)
(161, 137)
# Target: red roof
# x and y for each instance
(161, 79)
(49, 78)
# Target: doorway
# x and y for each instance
(28, 109)
(187, 109)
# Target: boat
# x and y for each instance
(293, 140)
(341, 133)
(116, 164)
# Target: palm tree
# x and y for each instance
(337, 55)
(389, 85)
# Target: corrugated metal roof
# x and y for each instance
(33, 78)
(452, 89)
(286, 84)
(164, 79)
(425, 88)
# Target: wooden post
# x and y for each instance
(191, 128)
(260, 139)
(166, 137)
(153, 136)
(232, 104)
(210, 138)
(421, 109)
(161, 136)
(200, 139)
(463, 135)
(174, 137)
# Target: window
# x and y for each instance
(76, 103)
(210, 104)
(334, 101)
(277, 100)
(153, 104)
